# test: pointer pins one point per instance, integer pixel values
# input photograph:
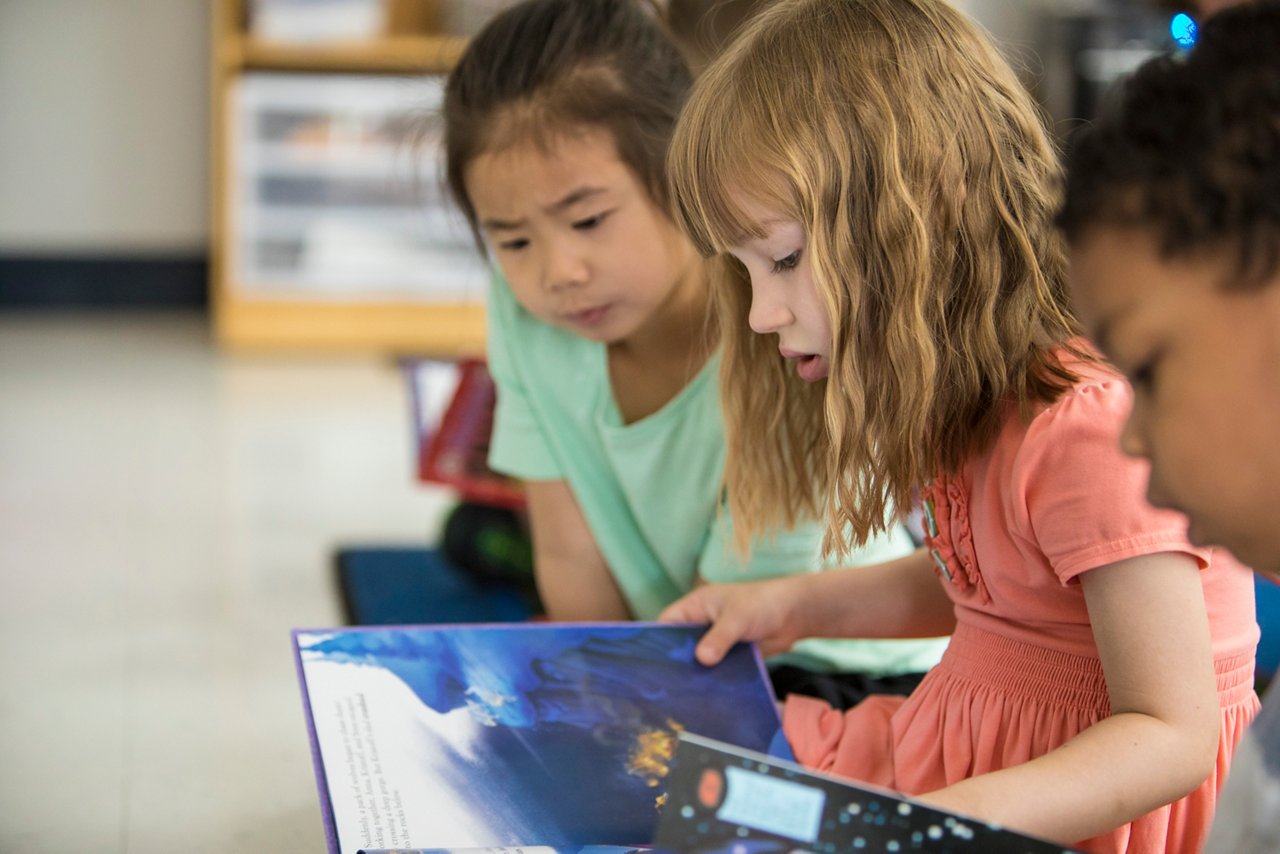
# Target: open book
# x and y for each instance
(525, 734)
(727, 800)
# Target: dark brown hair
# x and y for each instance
(1189, 148)
(545, 68)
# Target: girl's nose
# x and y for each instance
(768, 312)
(563, 268)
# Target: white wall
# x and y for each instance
(1015, 24)
(104, 125)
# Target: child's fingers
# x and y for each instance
(687, 609)
(715, 644)
(713, 604)
(693, 608)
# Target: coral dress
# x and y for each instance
(1010, 535)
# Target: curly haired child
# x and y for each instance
(1173, 214)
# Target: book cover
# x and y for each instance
(526, 734)
(726, 800)
(452, 405)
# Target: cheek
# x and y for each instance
(667, 255)
(517, 279)
(816, 311)
(1193, 444)
(523, 286)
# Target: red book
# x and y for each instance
(453, 406)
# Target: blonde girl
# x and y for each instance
(879, 192)
(557, 120)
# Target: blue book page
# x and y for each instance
(514, 735)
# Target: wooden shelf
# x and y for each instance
(244, 320)
(392, 54)
(442, 330)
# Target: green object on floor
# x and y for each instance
(492, 542)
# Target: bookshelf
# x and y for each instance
(278, 278)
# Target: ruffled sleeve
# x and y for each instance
(948, 535)
(1085, 500)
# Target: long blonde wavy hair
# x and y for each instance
(919, 166)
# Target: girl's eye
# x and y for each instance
(1143, 377)
(514, 244)
(782, 265)
(591, 221)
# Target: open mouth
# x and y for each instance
(811, 368)
(589, 317)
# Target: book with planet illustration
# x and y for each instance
(723, 799)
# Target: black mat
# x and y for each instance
(389, 585)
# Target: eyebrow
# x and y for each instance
(578, 195)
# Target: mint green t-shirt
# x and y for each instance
(650, 490)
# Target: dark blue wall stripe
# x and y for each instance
(87, 281)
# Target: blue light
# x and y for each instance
(1184, 30)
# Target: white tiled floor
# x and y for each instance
(167, 515)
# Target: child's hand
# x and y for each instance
(760, 611)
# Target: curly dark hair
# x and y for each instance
(1189, 148)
